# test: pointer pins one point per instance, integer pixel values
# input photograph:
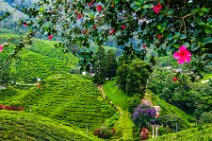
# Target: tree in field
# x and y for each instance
(100, 66)
(132, 78)
(111, 64)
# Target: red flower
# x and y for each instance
(174, 79)
(99, 8)
(91, 3)
(144, 46)
(159, 36)
(1, 48)
(50, 37)
(25, 24)
(123, 26)
(157, 8)
(94, 27)
(79, 16)
(112, 31)
(183, 55)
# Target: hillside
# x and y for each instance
(119, 98)
(203, 133)
(68, 98)
(41, 59)
(16, 14)
(30, 127)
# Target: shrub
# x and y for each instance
(104, 132)
(171, 121)
(112, 120)
(163, 130)
(206, 117)
(133, 102)
(143, 115)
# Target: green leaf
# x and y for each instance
(205, 10)
(183, 36)
(136, 6)
(170, 12)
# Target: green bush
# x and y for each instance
(16, 103)
(163, 130)
(104, 132)
(133, 102)
(184, 94)
(171, 121)
(206, 117)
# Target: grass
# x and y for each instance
(203, 133)
(69, 98)
(29, 127)
(116, 95)
(124, 125)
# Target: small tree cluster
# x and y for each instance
(105, 65)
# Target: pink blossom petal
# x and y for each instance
(155, 9)
(181, 61)
(182, 48)
(176, 55)
(1, 48)
(188, 53)
(187, 59)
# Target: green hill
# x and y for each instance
(16, 14)
(203, 133)
(120, 98)
(41, 59)
(69, 98)
(29, 127)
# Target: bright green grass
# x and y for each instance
(124, 125)
(29, 127)
(195, 134)
(39, 60)
(115, 95)
(207, 76)
(69, 98)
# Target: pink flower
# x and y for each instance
(99, 8)
(123, 26)
(183, 55)
(50, 37)
(1, 48)
(159, 36)
(91, 3)
(112, 31)
(25, 24)
(157, 8)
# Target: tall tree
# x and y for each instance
(100, 66)
(111, 64)
(132, 78)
